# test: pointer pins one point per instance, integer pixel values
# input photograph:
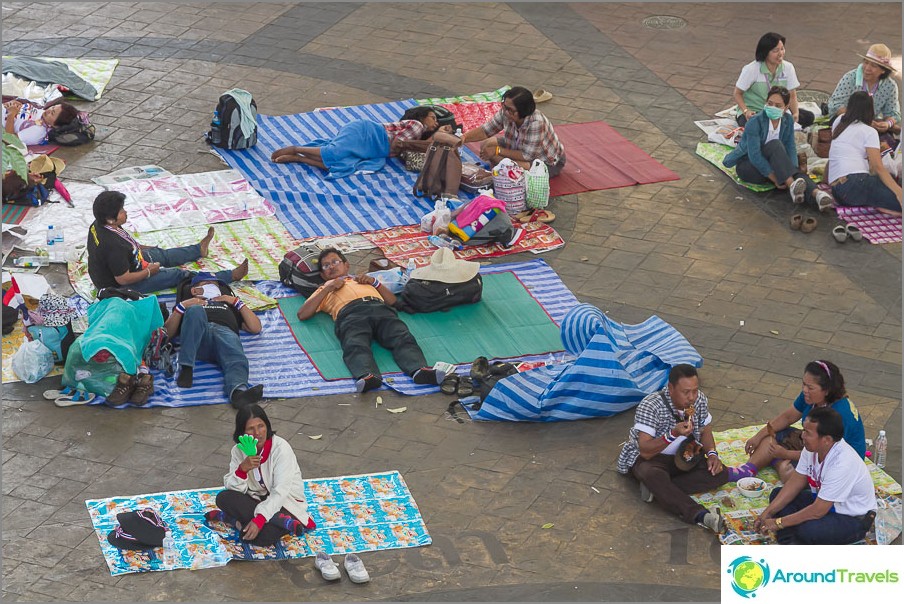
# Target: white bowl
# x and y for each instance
(751, 487)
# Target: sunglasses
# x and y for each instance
(328, 265)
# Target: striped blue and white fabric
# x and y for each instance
(616, 366)
(310, 205)
(277, 361)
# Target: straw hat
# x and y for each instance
(446, 268)
(44, 163)
(879, 54)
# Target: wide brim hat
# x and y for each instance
(446, 268)
(55, 310)
(143, 529)
(687, 464)
(880, 55)
(44, 163)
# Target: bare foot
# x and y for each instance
(287, 159)
(239, 272)
(290, 150)
(205, 243)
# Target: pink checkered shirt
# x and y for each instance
(535, 138)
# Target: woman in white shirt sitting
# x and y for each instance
(855, 163)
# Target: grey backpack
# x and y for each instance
(226, 128)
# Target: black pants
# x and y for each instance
(782, 166)
(805, 118)
(672, 487)
(241, 507)
(361, 322)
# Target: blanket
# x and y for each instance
(494, 96)
(714, 153)
(363, 513)
(875, 226)
(50, 71)
(96, 72)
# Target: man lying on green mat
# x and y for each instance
(360, 306)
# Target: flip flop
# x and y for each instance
(52, 395)
(541, 95)
(78, 397)
(544, 216)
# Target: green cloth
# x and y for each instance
(508, 322)
(493, 96)
(122, 327)
(714, 153)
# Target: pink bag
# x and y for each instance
(478, 206)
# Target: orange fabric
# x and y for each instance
(335, 301)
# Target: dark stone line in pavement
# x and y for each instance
(575, 591)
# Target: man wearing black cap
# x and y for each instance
(209, 316)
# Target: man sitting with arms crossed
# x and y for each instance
(829, 499)
(360, 306)
(662, 422)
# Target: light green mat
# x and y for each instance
(481, 97)
(508, 322)
(97, 72)
(714, 153)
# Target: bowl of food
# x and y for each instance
(751, 487)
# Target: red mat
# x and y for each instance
(42, 149)
(13, 213)
(471, 115)
(398, 244)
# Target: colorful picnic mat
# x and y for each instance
(14, 214)
(11, 343)
(714, 153)
(399, 244)
(494, 96)
(295, 376)
(363, 513)
(875, 226)
(741, 512)
(310, 205)
(507, 322)
(97, 72)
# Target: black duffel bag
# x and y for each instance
(421, 295)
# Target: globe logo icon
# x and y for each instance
(748, 575)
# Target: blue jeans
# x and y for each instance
(201, 339)
(864, 189)
(782, 166)
(169, 275)
(831, 529)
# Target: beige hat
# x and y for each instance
(446, 268)
(879, 54)
(44, 163)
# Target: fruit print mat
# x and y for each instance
(740, 512)
(363, 513)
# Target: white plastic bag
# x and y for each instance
(892, 162)
(32, 361)
(888, 520)
(537, 185)
(393, 278)
(438, 219)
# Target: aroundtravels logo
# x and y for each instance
(748, 575)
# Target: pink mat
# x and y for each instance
(42, 149)
(471, 115)
(875, 226)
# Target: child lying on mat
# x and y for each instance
(362, 145)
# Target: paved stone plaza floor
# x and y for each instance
(700, 252)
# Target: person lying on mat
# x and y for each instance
(526, 134)
(116, 259)
(665, 449)
(829, 499)
(207, 317)
(855, 171)
(361, 308)
(362, 145)
(767, 153)
(778, 444)
(32, 123)
(264, 492)
(768, 70)
(872, 77)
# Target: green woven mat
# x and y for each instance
(97, 72)
(739, 511)
(508, 322)
(714, 153)
(481, 97)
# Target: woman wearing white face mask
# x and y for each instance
(767, 153)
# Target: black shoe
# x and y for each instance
(480, 368)
(186, 373)
(426, 375)
(368, 382)
(240, 398)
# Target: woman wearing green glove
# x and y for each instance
(264, 495)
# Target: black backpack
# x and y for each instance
(498, 230)
(430, 296)
(77, 132)
(300, 269)
(226, 127)
(444, 117)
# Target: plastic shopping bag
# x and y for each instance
(537, 185)
(508, 185)
(32, 361)
(393, 278)
(438, 219)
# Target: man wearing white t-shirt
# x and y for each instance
(830, 498)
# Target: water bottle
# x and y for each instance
(411, 267)
(880, 447)
(216, 118)
(443, 241)
(169, 551)
(51, 235)
(58, 237)
(51, 248)
(31, 261)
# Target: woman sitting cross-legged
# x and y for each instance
(767, 153)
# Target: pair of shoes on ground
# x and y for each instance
(535, 215)
(135, 389)
(353, 566)
(246, 396)
(458, 385)
(842, 232)
(798, 192)
(804, 225)
(68, 397)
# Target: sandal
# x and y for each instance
(544, 216)
(78, 397)
(523, 216)
(52, 395)
(450, 384)
(465, 388)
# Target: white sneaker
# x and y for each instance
(797, 190)
(645, 495)
(355, 569)
(326, 566)
(714, 522)
(825, 201)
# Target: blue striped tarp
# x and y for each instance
(281, 365)
(308, 204)
(616, 366)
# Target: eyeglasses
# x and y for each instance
(329, 265)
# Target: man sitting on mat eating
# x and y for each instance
(360, 307)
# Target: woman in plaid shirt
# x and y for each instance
(526, 134)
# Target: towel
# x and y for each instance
(121, 327)
(243, 98)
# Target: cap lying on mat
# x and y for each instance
(143, 529)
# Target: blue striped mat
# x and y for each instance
(293, 375)
(308, 204)
(616, 366)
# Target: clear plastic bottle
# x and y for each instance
(59, 235)
(31, 261)
(51, 235)
(216, 118)
(169, 551)
(880, 448)
(411, 266)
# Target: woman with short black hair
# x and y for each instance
(32, 123)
